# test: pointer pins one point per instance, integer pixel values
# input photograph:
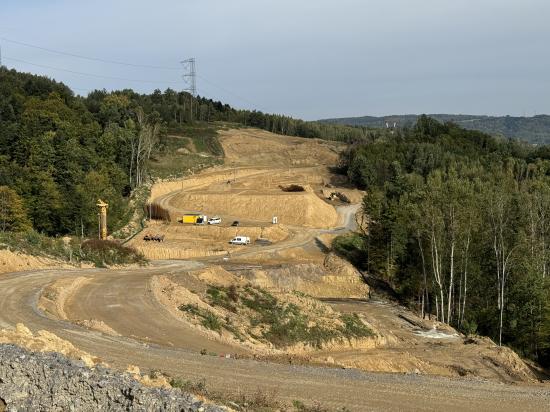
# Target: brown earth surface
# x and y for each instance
(128, 316)
(17, 262)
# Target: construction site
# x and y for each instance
(237, 253)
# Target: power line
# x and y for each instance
(230, 92)
(91, 74)
(190, 75)
(79, 56)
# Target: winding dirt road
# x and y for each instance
(122, 298)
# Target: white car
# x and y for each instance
(214, 220)
(240, 240)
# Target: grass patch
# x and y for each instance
(354, 327)
(351, 247)
(203, 135)
(208, 319)
(187, 149)
(280, 323)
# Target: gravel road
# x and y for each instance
(123, 298)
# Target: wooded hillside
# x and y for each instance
(534, 129)
(459, 225)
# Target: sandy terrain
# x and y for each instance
(130, 316)
(16, 262)
(162, 342)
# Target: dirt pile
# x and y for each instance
(420, 346)
(51, 382)
(17, 262)
(335, 278)
(44, 341)
(231, 310)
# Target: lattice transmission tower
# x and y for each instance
(190, 76)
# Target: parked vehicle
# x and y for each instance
(194, 218)
(214, 220)
(235, 223)
(240, 240)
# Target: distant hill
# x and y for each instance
(534, 129)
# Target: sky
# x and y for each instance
(310, 59)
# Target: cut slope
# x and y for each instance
(301, 209)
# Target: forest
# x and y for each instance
(534, 129)
(60, 153)
(459, 227)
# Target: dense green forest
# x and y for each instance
(534, 129)
(459, 226)
(59, 152)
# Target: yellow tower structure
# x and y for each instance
(102, 219)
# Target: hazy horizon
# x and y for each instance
(310, 60)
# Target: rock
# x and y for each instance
(51, 382)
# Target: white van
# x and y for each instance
(240, 240)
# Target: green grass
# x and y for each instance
(208, 319)
(201, 143)
(203, 135)
(282, 324)
(351, 247)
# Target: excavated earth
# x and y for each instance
(131, 316)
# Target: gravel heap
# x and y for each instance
(32, 381)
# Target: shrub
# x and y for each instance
(208, 319)
(108, 252)
(354, 326)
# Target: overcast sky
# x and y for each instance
(306, 58)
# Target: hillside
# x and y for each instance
(534, 129)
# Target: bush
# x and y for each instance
(350, 247)
(108, 252)
(208, 319)
(468, 327)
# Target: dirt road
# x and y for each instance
(121, 297)
(150, 336)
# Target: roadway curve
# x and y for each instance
(160, 342)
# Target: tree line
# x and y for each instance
(459, 226)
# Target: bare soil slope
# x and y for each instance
(16, 262)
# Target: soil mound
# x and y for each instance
(17, 262)
(44, 341)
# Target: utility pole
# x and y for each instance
(190, 79)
